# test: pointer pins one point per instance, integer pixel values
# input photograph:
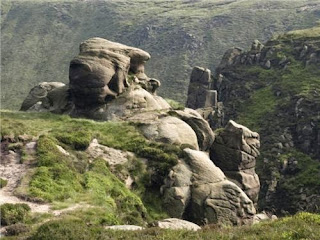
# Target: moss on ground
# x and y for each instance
(303, 34)
(174, 104)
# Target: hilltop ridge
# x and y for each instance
(40, 35)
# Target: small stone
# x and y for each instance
(63, 151)
(267, 65)
(24, 137)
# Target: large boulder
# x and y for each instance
(199, 125)
(165, 128)
(101, 71)
(235, 151)
(200, 192)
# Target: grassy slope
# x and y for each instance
(65, 180)
(300, 226)
(39, 38)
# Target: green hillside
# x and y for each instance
(39, 38)
(282, 103)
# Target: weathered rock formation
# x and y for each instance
(234, 152)
(199, 93)
(102, 71)
(273, 87)
(200, 192)
(108, 82)
(48, 96)
(203, 97)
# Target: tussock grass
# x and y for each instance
(300, 226)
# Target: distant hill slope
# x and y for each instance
(39, 38)
(275, 90)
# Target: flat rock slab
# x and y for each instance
(177, 224)
(125, 227)
(110, 155)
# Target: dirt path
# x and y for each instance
(13, 170)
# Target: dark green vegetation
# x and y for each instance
(39, 38)
(300, 226)
(14, 213)
(283, 105)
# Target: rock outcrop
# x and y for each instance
(204, 98)
(102, 71)
(234, 152)
(199, 93)
(200, 192)
(48, 96)
(108, 82)
(273, 87)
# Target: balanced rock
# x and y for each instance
(235, 151)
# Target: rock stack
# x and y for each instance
(200, 94)
(235, 151)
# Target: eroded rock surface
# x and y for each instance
(199, 125)
(177, 224)
(203, 194)
(100, 73)
(108, 82)
(48, 96)
(235, 151)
